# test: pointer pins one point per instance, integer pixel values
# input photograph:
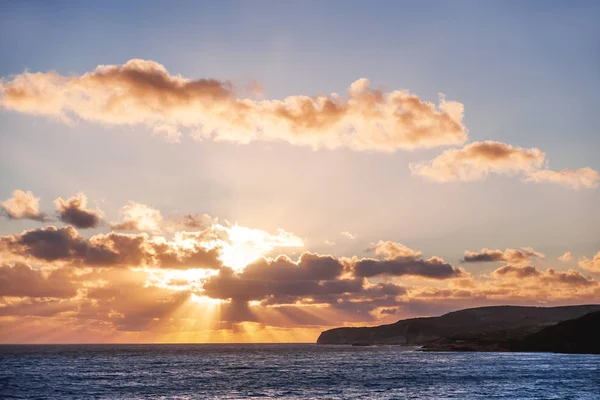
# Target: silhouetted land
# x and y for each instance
(502, 328)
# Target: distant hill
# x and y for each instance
(505, 322)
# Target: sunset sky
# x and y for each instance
(262, 171)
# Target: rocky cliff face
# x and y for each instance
(474, 321)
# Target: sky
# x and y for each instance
(261, 171)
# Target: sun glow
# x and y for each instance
(206, 300)
(244, 245)
(238, 245)
(188, 279)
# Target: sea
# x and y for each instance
(288, 371)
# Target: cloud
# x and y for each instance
(281, 278)
(138, 217)
(348, 235)
(592, 265)
(53, 244)
(394, 250)
(133, 306)
(432, 268)
(21, 280)
(313, 291)
(313, 280)
(23, 205)
(73, 211)
(142, 92)
(475, 161)
(550, 276)
(189, 222)
(567, 256)
(402, 261)
(180, 288)
(573, 178)
(242, 245)
(508, 255)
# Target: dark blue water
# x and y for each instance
(301, 371)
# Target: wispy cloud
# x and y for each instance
(348, 235)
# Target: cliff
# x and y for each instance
(580, 335)
(506, 322)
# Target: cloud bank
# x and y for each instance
(143, 92)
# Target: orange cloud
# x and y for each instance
(23, 205)
(567, 256)
(143, 92)
(592, 265)
(138, 217)
(394, 250)
(573, 178)
(477, 160)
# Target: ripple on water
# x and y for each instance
(289, 371)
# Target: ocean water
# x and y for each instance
(295, 371)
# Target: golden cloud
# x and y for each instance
(573, 178)
(592, 265)
(477, 160)
(142, 92)
(23, 205)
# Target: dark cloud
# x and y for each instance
(401, 261)
(547, 277)
(432, 268)
(313, 278)
(508, 255)
(112, 249)
(20, 280)
(73, 211)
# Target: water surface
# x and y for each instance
(302, 371)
